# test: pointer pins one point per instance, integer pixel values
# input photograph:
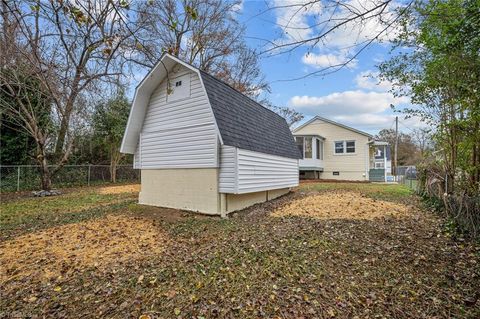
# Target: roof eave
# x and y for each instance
(317, 117)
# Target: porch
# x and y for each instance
(380, 164)
(311, 148)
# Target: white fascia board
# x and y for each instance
(317, 117)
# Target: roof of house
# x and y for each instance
(331, 122)
(378, 143)
(241, 121)
(246, 124)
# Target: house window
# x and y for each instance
(379, 165)
(350, 146)
(299, 142)
(319, 145)
(308, 147)
(344, 147)
(339, 149)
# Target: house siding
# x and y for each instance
(180, 133)
(350, 166)
(228, 169)
(259, 171)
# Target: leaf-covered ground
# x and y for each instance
(325, 251)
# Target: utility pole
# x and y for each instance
(396, 148)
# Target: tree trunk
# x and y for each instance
(113, 171)
(61, 136)
(46, 179)
(45, 176)
(115, 157)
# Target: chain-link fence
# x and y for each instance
(407, 175)
(27, 177)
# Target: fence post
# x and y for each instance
(18, 179)
(89, 166)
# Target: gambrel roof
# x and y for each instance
(246, 124)
(241, 122)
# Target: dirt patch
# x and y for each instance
(341, 205)
(165, 214)
(60, 251)
(135, 188)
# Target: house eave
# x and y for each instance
(317, 117)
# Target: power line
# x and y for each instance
(405, 126)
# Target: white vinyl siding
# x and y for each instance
(183, 147)
(180, 133)
(228, 169)
(136, 158)
(259, 171)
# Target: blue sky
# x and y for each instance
(350, 95)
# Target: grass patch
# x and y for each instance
(388, 192)
(32, 213)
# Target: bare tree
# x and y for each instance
(423, 139)
(61, 50)
(290, 115)
(204, 33)
(349, 26)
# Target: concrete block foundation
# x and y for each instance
(196, 190)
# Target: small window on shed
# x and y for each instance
(180, 87)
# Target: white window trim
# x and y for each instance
(354, 145)
(321, 149)
(344, 148)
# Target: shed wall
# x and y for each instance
(179, 133)
(235, 202)
(190, 189)
(228, 169)
(259, 171)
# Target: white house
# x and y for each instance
(331, 150)
(203, 146)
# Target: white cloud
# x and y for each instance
(238, 7)
(292, 16)
(321, 61)
(304, 19)
(370, 80)
(348, 102)
(356, 108)
(378, 121)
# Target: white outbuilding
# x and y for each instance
(203, 146)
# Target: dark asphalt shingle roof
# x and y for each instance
(245, 124)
